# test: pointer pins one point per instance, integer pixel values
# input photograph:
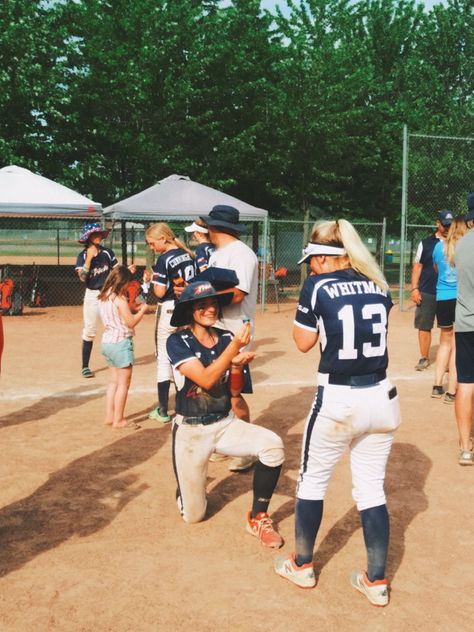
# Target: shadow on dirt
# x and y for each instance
(77, 500)
(52, 404)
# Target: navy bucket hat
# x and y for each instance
(225, 217)
(196, 291)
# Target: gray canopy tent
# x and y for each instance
(179, 198)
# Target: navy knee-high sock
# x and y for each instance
(163, 396)
(86, 353)
(308, 516)
(265, 479)
(376, 529)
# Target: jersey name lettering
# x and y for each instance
(335, 290)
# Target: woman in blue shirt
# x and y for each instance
(446, 290)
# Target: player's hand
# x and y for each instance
(244, 357)
(133, 268)
(416, 297)
(92, 251)
(179, 289)
(242, 337)
(147, 276)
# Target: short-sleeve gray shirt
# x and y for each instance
(464, 259)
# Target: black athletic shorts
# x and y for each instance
(445, 311)
(425, 312)
(465, 356)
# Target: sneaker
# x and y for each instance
(437, 392)
(423, 363)
(449, 398)
(215, 457)
(242, 463)
(466, 457)
(261, 528)
(86, 372)
(157, 416)
(302, 576)
(376, 591)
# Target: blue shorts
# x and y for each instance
(119, 354)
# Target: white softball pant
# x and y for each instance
(90, 311)
(164, 371)
(193, 445)
(362, 419)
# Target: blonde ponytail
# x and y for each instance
(342, 232)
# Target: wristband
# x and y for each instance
(415, 288)
(236, 380)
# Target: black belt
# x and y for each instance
(204, 420)
(369, 379)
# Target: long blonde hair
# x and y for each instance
(161, 229)
(457, 230)
(342, 232)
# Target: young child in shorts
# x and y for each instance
(117, 343)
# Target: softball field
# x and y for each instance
(91, 539)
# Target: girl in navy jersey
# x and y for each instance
(93, 265)
(173, 270)
(204, 248)
(117, 344)
(344, 304)
(208, 365)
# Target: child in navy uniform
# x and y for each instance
(93, 265)
(204, 248)
(173, 270)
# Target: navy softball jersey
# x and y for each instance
(350, 312)
(100, 267)
(172, 268)
(191, 399)
(203, 252)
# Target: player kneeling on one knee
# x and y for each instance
(207, 365)
(346, 301)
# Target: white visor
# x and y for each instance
(195, 228)
(321, 249)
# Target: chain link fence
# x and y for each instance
(286, 240)
(40, 255)
(438, 174)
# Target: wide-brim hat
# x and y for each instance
(92, 229)
(196, 291)
(195, 228)
(329, 250)
(225, 217)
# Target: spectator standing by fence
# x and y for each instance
(446, 290)
(423, 287)
(464, 336)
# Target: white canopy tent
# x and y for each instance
(179, 198)
(26, 194)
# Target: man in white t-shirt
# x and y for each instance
(231, 253)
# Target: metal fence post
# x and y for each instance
(57, 245)
(401, 297)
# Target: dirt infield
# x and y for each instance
(91, 539)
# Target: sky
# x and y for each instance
(270, 4)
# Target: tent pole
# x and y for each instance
(263, 287)
(124, 242)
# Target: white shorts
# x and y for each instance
(362, 419)
(193, 445)
(90, 311)
(164, 371)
